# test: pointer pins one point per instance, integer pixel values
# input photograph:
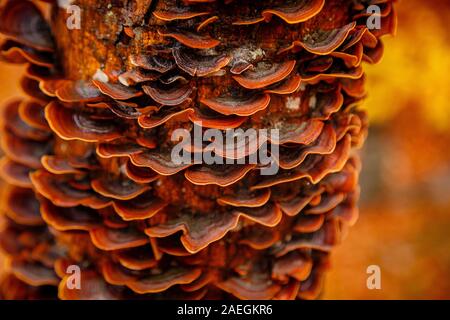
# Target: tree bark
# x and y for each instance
(91, 151)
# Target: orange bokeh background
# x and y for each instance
(404, 224)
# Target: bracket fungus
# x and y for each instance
(87, 153)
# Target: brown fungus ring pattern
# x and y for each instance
(87, 154)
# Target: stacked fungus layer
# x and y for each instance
(87, 154)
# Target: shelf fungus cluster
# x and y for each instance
(87, 166)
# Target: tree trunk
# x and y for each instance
(92, 180)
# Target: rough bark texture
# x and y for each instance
(88, 154)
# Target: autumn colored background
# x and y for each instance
(404, 224)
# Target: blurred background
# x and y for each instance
(404, 224)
